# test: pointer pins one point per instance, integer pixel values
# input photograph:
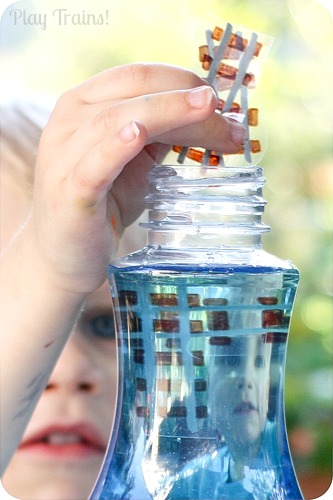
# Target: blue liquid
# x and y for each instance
(200, 412)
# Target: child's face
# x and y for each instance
(242, 391)
(64, 444)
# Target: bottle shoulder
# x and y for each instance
(257, 260)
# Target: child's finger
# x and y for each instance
(159, 113)
(133, 80)
(100, 166)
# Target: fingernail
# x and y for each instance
(237, 132)
(129, 132)
(200, 97)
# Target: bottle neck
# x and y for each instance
(205, 207)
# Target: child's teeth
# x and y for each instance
(58, 438)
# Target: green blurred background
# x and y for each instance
(46, 52)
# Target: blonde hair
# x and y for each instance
(21, 124)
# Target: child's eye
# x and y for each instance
(231, 361)
(102, 326)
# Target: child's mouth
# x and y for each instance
(74, 441)
(244, 408)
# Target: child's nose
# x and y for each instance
(245, 382)
(76, 371)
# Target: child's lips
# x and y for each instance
(73, 441)
(244, 408)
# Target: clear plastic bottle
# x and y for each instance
(202, 315)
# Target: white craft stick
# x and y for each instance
(242, 69)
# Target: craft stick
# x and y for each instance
(243, 65)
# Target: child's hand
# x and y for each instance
(101, 140)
